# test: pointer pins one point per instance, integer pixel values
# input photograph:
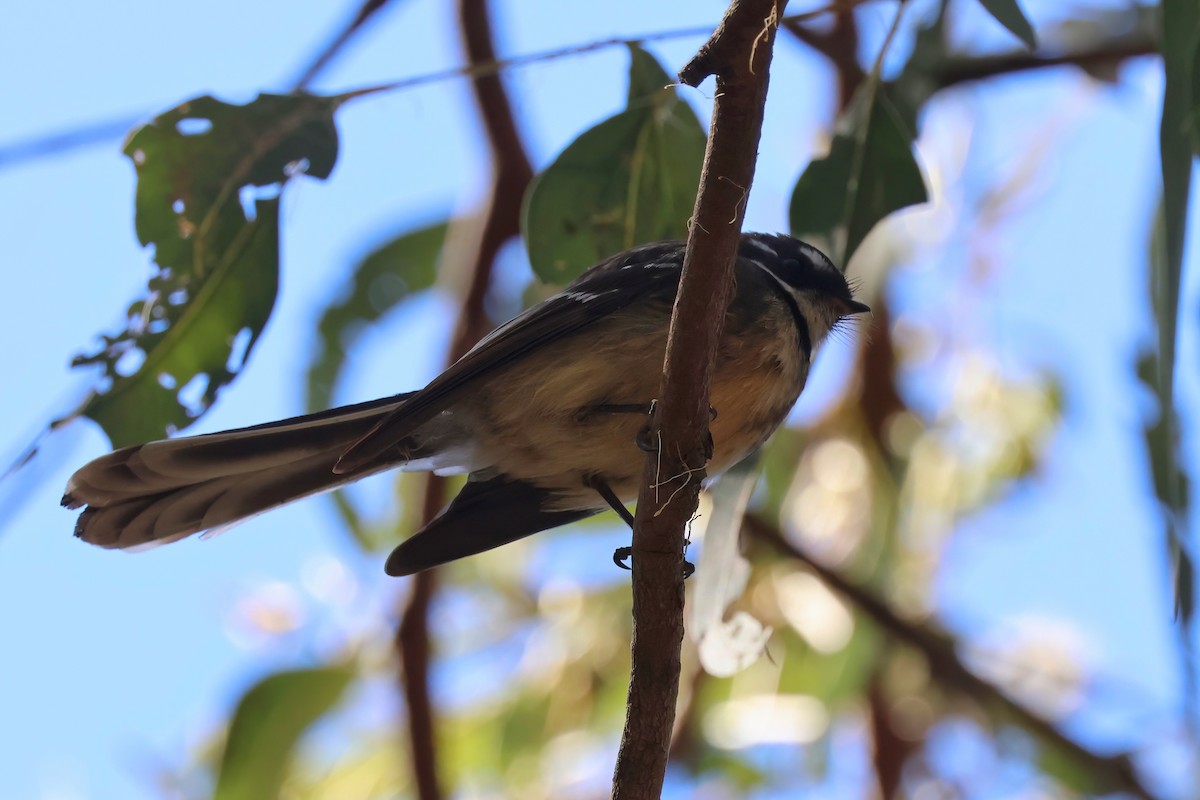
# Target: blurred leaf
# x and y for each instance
(739, 772)
(270, 719)
(1179, 42)
(630, 179)
(1065, 769)
(1194, 109)
(781, 454)
(869, 173)
(209, 177)
(1170, 488)
(392, 273)
(1009, 14)
(833, 677)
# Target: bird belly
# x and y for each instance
(558, 433)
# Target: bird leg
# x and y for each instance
(609, 496)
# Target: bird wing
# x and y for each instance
(605, 288)
(484, 515)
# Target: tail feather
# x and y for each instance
(166, 490)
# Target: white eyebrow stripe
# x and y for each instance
(787, 287)
(814, 255)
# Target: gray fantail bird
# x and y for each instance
(543, 414)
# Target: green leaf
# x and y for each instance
(391, 274)
(209, 175)
(630, 179)
(869, 173)
(1162, 434)
(1009, 14)
(1179, 41)
(270, 719)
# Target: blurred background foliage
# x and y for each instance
(866, 686)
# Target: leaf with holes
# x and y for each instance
(630, 179)
(209, 177)
(1009, 14)
(869, 173)
(270, 719)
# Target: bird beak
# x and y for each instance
(855, 307)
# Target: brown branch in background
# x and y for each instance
(840, 46)
(955, 70)
(739, 55)
(1115, 773)
(890, 751)
(499, 221)
(322, 60)
(414, 652)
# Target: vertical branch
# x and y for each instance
(498, 221)
(739, 54)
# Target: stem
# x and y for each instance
(739, 54)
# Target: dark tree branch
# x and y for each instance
(840, 46)
(964, 69)
(890, 751)
(499, 221)
(739, 54)
(1116, 773)
(323, 59)
(414, 651)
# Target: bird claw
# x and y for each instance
(619, 556)
(622, 553)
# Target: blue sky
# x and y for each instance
(117, 666)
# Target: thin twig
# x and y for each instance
(324, 58)
(739, 54)
(956, 70)
(499, 222)
(1115, 772)
(44, 145)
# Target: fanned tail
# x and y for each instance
(166, 490)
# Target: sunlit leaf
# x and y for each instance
(1009, 14)
(209, 177)
(869, 173)
(270, 719)
(630, 179)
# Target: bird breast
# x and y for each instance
(538, 421)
